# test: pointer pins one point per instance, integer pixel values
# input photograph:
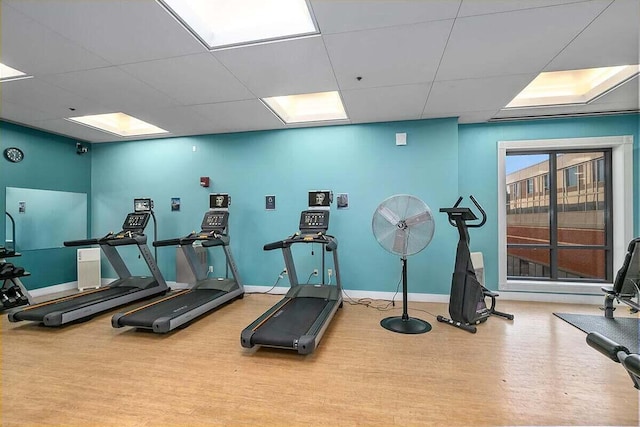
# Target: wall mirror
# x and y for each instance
(44, 219)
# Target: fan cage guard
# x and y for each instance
(403, 225)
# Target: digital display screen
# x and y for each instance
(218, 201)
(321, 198)
(314, 220)
(135, 221)
(215, 221)
(142, 205)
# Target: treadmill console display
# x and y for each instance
(136, 221)
(142, 205)
(320, 198)
(219, 201)
(215, 221)
(314, 221)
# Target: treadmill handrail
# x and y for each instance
(83, 242)
(321, 238)
(213, 238)
(121, 241)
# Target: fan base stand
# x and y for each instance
(410, 325)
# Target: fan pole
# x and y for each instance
(405, 297)
(405, 324)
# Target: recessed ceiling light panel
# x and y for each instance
(309, 107)
(7, 74)
(120, 124)
(225, 23)
(572, 86)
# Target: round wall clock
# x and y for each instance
(13, 154)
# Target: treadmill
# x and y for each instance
(126, 289)
(298, 321)
(206, 294)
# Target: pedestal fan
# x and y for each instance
(403, 225)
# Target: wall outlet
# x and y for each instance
(211, 269)
(284, 271)
(330, 272)
(315, 271)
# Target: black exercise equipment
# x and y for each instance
(12, 292)
(298, 321)
(467, 305)
(625, 285)
(206, 293)
(126, 289)
(617, 353)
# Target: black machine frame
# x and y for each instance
(124, 290)
(626, 284)
(307, 307)
(205, 294)
(467, 306)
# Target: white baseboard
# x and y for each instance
(53, 289)
(417, 297)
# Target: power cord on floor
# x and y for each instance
(382, 305)
(374, 303)
(280, 277)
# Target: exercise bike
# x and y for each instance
(467, 306)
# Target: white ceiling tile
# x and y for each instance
(385, 103)
(389, 56)
(75, 130)
(612, 39)
(518, 42)
(281, 68)
(120, 31)
(191, 79)
(176, 120)
(112, 88)
(474, 94)
(52, 100)
(484, 7)
(476, 116)
(343, 16)
(238, 116)
(20, 113)
(34, 49)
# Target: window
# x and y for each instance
(530, 186)
(567, 242)
(571, 177)
(548, 239)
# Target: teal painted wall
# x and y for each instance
(50, 163)
(441, 161)
(361, 160)
(478, 165)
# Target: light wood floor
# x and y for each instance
(536, 370)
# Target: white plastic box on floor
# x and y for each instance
(478, 266)
(88, 268)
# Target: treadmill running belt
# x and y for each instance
(170, 308)
(290, 322)
(37, 314)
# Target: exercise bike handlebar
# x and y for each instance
(484, 214)
(475, 202)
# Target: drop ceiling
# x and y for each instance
(389, 60)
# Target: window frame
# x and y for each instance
(622, 185)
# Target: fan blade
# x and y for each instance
(400, 241)
(389, 215)
(417, 219)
